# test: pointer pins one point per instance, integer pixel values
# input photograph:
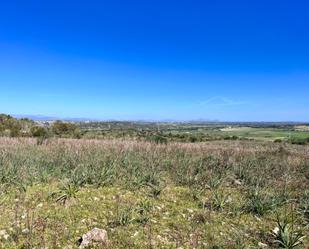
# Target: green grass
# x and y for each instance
(266, 133)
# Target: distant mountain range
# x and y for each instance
(49, 118)
(34, 117)
(193, 121)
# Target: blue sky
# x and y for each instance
(224, 60)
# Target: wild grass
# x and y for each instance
(220, 194)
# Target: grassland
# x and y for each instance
(219, 194)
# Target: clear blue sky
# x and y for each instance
(226, 60)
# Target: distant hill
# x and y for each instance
(35, 117)
(200, 121)
(49, 118)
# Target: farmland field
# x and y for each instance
(217, 194)
(198, 132)
(269, 134)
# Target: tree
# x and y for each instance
(15, 130)
(61, 128)
(38, 131)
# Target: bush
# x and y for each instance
(158, 139)
(15, 130)
(231, 137)
(61, 128)
(300, 141)
(38, 131)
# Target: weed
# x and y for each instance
(65, 193)
(260, 203)
(220, 200)
(123, 217)
(215, 181)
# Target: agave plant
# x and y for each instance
(65, 193)
(260, 203)
(303, 208)
(220, 200)
(215, 181)
(286, 236)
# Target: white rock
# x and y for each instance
(40, 205)
(135, 234)
(237, 182)
(276, 230)
(4, 234)
(262, 245)
(95, 235)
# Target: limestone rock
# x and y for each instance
(96, 235)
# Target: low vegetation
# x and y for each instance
(218, 194)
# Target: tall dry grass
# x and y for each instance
(130, 163)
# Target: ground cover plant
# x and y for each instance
(219, 194)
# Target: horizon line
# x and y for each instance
(41, 117)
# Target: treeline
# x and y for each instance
(10, 126)
(161, 137)
(13, 127)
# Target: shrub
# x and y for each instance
(61, 128)
(158, 139)
(15, 130)
(300, 141)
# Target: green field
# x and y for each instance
(265, 133)
(190, 132)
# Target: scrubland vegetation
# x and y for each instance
(162, 132)
(218, 194)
